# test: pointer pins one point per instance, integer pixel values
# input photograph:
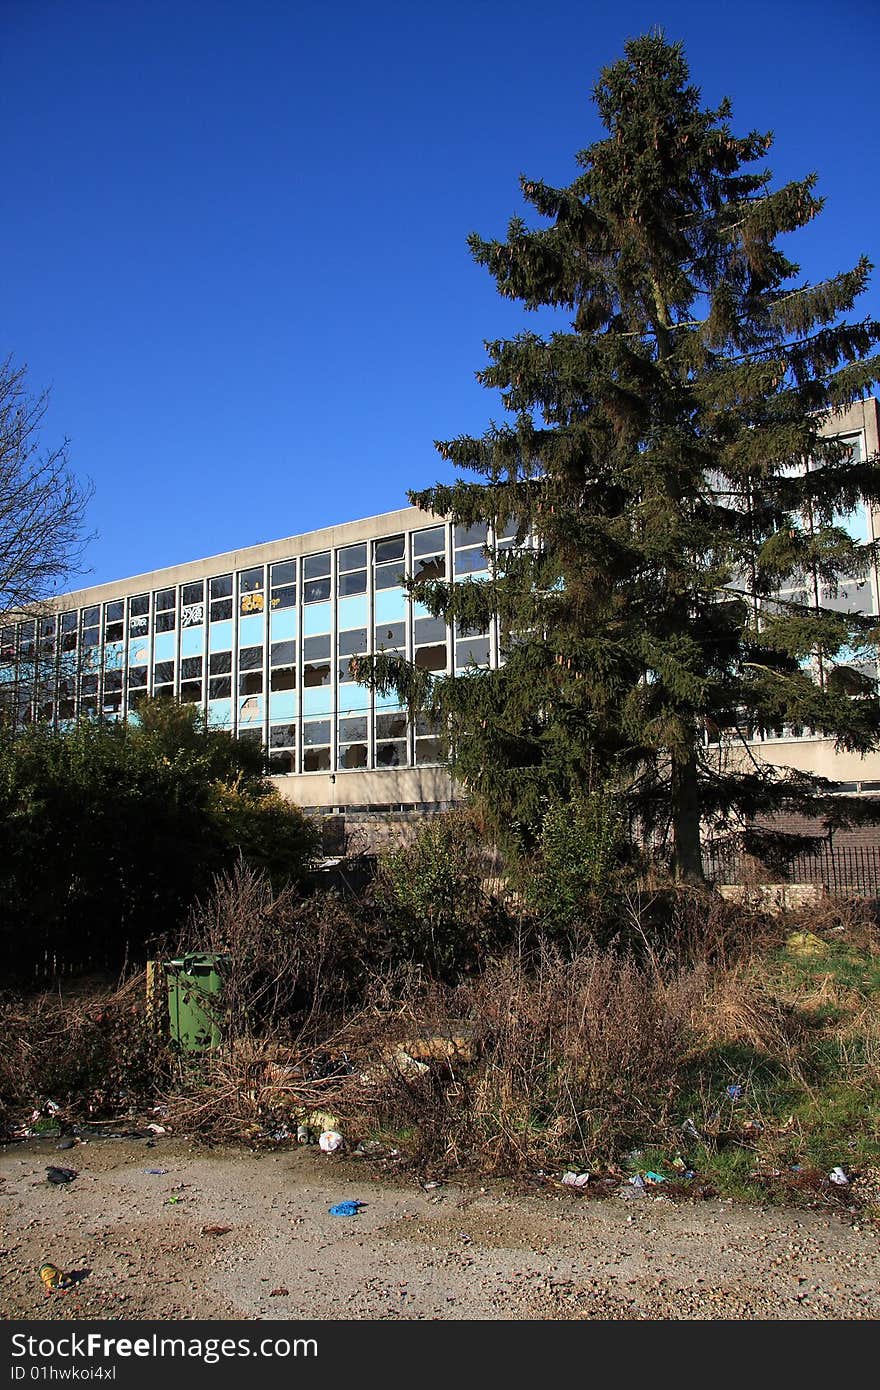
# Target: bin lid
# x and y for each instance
(200, 960)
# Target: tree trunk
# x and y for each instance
(687, 856)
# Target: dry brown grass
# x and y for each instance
(92, 1053)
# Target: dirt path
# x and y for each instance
(454, 1252)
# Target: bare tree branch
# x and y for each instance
(42, 504)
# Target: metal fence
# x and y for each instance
(844, 871)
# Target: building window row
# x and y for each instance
(277, 671)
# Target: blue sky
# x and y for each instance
(234, 234)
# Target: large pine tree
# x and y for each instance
(676, 547)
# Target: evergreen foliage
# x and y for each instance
(680, 513)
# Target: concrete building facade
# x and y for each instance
(261, 640)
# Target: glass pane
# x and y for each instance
(427, 542)
(429, 630)
(352, 729)
(471, 535)
(316, 760)
(283, 653)
(391, 725)
(392, 635)
(316, 590)
(315, 732)
(390, 549)
(353, 557)
(250, 581)
(285, 573)
(314, 648)
(250, 658)
(355, 583)
(353, 641)
(316, 566)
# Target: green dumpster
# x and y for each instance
(195, 1000)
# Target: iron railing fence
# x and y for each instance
(844, 871)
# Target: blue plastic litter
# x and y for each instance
(346, 1208)
(654, 1177)
(736, 1092)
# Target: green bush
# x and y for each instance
(430, 892)
(108, 831)
(581, 850)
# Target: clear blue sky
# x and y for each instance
(233, 234)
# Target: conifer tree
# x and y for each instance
(678, 505)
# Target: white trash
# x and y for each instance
(575, 1179)
(330, 1141)
(838, 1176)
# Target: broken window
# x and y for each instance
(429, 745)
(139, 615)
(429, 553)
(192, 604)
(282, 659)
(316, 741)
(47, 636)
(112, 692)
(391, 754)
(250, 590)
(391, 725)
(353, 742)
(114, 625)
(431, 658)
(250, 682)
(390, 636)
(91, 626)
(349, 644)
(316, 670)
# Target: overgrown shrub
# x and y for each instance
(128, 823)
(581, 850)
(96, 1055)
(431, 895)
(568, 1061)
(296, 965)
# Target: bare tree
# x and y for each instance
(42, 504)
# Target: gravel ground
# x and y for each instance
(153, 1245)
